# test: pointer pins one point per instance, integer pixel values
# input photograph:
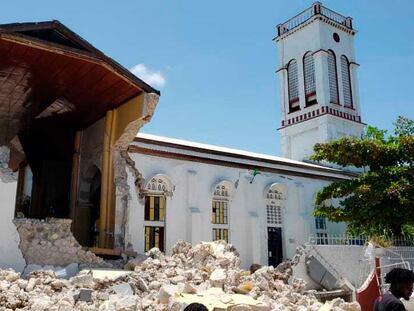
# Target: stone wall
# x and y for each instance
(51, 242)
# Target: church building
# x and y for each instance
(72, 159)
(262, 204)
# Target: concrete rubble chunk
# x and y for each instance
(122, 289)
(83, 280)
(189, 289)
(218, 277)
(208, 273)
(85, 294)
(132, 263)
(166, 292)
(124, 303)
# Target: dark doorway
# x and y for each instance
(274, 245)
(48, 146)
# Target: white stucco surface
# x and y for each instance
(188, 210)
(11, 256)
(316, 36)
(346, 259)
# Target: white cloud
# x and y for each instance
(153, 78)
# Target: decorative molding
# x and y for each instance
(224, 189)
(191, 158)
(324, 110)
(159, 183)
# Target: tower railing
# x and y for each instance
(316, 9)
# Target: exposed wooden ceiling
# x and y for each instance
(47, 71)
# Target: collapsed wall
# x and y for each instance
(51, 242)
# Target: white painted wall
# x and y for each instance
(345, 259)
(188, 211)
(11, 256)
(297, 140)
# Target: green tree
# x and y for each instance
(379, 201)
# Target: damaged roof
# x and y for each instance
(55, 34)
(48, 72)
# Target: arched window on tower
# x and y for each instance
(293, 85)
(309, 78)
(157, 189)
(346, 81)
(220, 210)
(333, 78)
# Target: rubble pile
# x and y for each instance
(51, 242)
(161, 282)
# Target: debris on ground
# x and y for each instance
(208, 272)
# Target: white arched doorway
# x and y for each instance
(275, 196)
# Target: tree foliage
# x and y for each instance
(381, 199)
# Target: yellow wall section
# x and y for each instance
(116, 124)
(131, 111)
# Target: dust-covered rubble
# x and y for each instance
(51, 242)
(207, 272)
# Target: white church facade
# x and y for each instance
(119, 192)
(261, 204)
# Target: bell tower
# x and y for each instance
(318, 81)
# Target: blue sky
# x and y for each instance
(214, 61)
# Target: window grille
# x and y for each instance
(309, 78)
(220, 234)
(293, 85)
(154, 237)
(154, 211)
(320, 223)
(321, 238)
(220, 212)
(274, 214)
(346, 82)
(333, 78)
(274, 203)
(154, 208)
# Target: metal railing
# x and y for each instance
(338, 239)
(316, 9)
(361, 240)
(336, 17)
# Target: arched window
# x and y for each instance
(346, 81)
(309, 78)
(220, 210)
(333, 78)
(157, 189)
(275, 198)
(293, 85)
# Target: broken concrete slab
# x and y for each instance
(122, 289)
(102, 273)
(85, 294)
